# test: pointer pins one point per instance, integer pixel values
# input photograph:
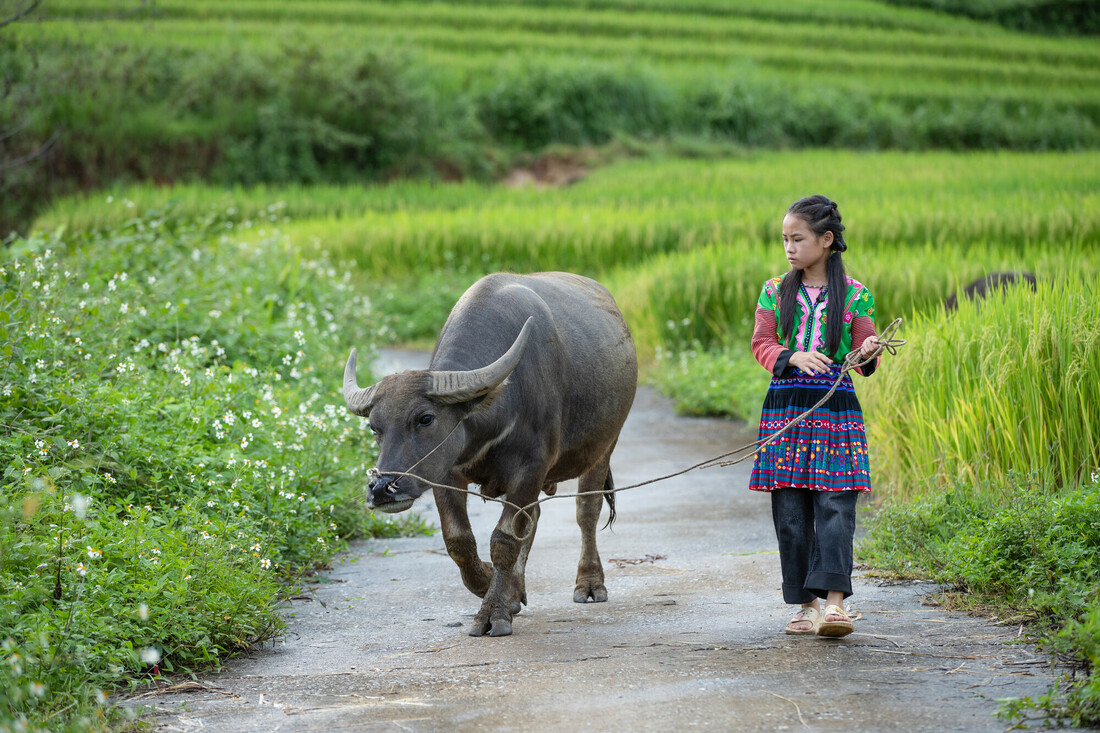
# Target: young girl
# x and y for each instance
(806, 323)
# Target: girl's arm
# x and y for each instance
(863, 328)
(771, 354)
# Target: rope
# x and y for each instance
(887, 343)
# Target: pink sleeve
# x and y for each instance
(765, 344)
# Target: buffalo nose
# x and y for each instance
(383, 485)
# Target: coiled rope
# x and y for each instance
(887, 343)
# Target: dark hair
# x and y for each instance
(821, 215)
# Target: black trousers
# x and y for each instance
(815, 530)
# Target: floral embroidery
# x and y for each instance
(859, 303)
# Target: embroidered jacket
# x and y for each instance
(809, 326)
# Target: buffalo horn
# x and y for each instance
(359, 401)
(454, 387)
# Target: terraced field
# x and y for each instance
(854, 45)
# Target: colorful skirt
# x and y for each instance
(825, 451)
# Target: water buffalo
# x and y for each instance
(535, 375)
(989, 284)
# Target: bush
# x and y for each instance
(911, 539)
(726, 382)
(228, 116)
(1061, 17)
(1039, 553)
(1032, 556)
(533, 106)
(175, 448)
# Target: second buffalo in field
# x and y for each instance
(530, 383)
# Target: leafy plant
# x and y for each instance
(175, 452)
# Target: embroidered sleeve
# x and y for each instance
(771, 354)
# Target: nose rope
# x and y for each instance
(375, 473)
(887, 343)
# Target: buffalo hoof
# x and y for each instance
(493, 627)
(516, 607)
(589, 593)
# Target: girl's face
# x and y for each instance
(804, 248)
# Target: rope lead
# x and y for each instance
(887, 343)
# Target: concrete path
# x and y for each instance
(690, 638)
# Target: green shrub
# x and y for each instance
(175, 449)
(298, 113)
(911, 539)
(725, 382)
(1038, 552)
(1029, 553)
(1080, 641)
(1061, 17)
(533, 106)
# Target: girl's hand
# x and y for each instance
(868, 346)
(811, 362)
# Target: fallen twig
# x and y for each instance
(430, 650)
(926, 654)
(796, 708)
(183, 688)
(876, 636)
(624, 561)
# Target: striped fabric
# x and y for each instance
(863, 328)
(765, 346)
(826, 451)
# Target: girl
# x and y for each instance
(806, 323)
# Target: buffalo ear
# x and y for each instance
(482, 402)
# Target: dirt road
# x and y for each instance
(691, 636)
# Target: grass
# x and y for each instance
(1004, 387)
(898, 199)
(1016, 550)
(293, 92)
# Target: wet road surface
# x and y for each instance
(690, 638)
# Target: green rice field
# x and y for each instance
(685, 246)
(854, 44)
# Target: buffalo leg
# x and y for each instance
(460, 541)
(506, 548)
(520, 570)
(590, 586)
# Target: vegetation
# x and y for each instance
(1004, 387)
(985, 431)
(1017, 550)
(677, 239)
(1068, 17)
(252, 92)
(166, 387)
(164, 347)
(684, 247)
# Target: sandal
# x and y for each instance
(809, 613)
(841, 626)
